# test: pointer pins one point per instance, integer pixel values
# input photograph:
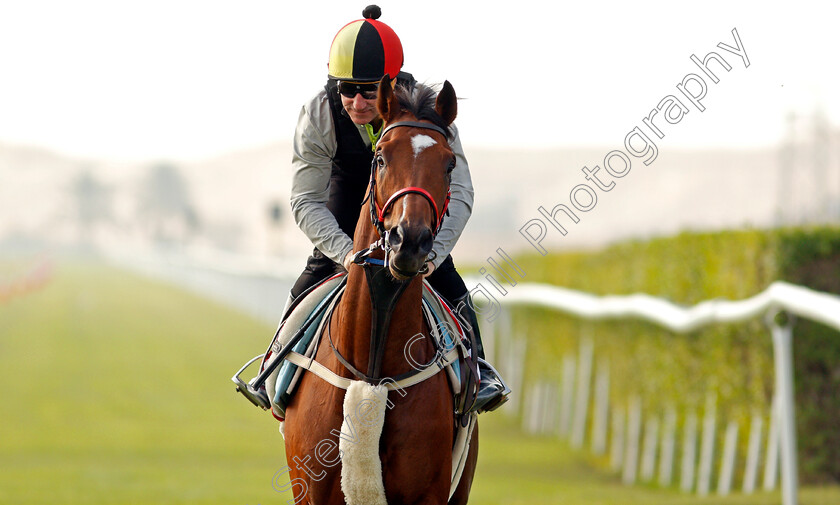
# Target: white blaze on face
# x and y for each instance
(420, 142)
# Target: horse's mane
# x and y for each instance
(420, 101)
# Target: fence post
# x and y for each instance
(753, 453)
(532, 409)
(515, 375)
(549, 413)
(707, 446)
(600, 417)
(489, 332)
(771, 464)
(783, 359)
(582, 392)
(567, 395)
(617, 439)
(689, 452)
(727, 466)
(648, 467)
(634, 428)
(666, 457)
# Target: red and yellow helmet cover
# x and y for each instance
(365, 50)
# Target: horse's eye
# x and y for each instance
(380, 161)
(451, 166)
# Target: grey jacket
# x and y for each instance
(315, 145)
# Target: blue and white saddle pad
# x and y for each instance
(280, 386)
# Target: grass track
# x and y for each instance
(116, 390)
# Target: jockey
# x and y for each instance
(333, 148)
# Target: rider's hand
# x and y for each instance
(431, 269)
(348, 260)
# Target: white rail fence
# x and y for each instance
(637, 441)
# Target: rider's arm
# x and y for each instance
(460, 206)
(313, 150)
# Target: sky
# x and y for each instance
(185, 80)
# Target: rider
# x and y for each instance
(333, 148)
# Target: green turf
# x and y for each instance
(515, 468)
(116, 390)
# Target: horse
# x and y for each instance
(344, 446)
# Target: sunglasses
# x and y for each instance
(366, 89)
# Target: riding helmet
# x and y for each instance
(365, 50)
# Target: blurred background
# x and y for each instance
(157, 136)
(135, 126)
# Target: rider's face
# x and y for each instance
(361, 110)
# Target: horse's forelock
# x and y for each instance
(420, 102)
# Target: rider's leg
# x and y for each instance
(493, 392)
(445, 279)
(318, 268)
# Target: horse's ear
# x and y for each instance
(446, 104)
(386, 100)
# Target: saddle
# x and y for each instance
(447, 333)
(312, 311)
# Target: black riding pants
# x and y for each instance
(445, 279)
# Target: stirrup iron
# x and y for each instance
(256, 396)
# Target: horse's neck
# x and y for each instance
(354, 315)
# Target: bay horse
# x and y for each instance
(334, 448)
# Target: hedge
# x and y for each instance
(734, 362)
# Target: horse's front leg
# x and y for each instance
(314, 474)
(417, 445)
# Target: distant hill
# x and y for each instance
(235, 197)
(680, 189)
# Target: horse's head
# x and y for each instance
(410, 173)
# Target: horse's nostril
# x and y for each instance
(426, 241)
(412, 240)
(395, 237)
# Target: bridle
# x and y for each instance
(385, 294)
(377, 214)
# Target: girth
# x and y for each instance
(385, 292)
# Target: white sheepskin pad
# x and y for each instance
(361, 469)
